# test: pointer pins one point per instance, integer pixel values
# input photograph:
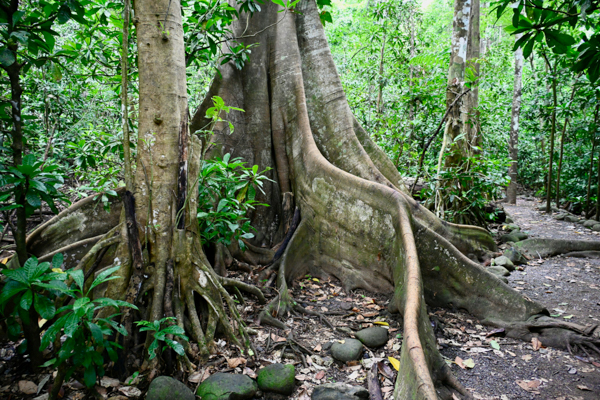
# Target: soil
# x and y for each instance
(489, 365)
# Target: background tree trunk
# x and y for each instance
(513, 142)
(552, 133)
(472, 128)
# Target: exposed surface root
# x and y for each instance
(545, 247)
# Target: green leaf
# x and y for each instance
(57, 260)
(78, 278)
(104, 276)
(64, 14)
(29, 267)
(96, 333)
(176, 346)
(44, 306)
(174, 330)
(152, 349)
(89, 377)
(26, 300)
(495, 345)
(7, 57)
(56, 72)
(81, 302)
(11, 289)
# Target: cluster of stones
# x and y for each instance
(502, 266)
(352, 349)
(588, 223)
(275, 378)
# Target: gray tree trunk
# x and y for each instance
(513, 140)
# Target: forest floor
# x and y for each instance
(512, 370)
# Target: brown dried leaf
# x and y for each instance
(536, 344)
(320, 375)
(385, 370)
(250, 372)
(235, 362)
(583, 387)
(459, 362)
(317, 348)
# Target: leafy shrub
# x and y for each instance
(33, 285)
(227, 191)
(35, 180)
(159, 330)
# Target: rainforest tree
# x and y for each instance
(356, 221)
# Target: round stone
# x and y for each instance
(222, 386)
(350, 350)
(277, 378)
(374, 336)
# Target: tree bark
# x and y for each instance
(589, 184)
(124, 95)
(552, 133)
(380, 93)
(472, 128)
(513, 141)
(562, 142)
(458, 117)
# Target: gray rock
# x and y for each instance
(596, 228)
(519, 235)
(350, 350)
(167, 388)
(327, 345)
(222, 386)
(498, 270)
(589, 223)
(514, 256)
(512, 227)
(339, 391)
(374, 336)
(505, 262)
(277, 378)
(560, 217)
(571, 218)
(509, 219)
(509, 237)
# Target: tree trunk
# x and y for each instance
(16, 91)
(589, 184)
(552, 132)
(166, 194)
(562, 142)
(459, 150)
(513, 141)
(357, 224)
(472, 128)
(380, 94)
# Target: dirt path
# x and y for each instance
(570, 289)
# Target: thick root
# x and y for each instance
(543, 247)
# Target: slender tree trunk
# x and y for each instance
(380, 94)
(513, 142)
(472, 128)
(552, 133)
(458, 116)
(17, 148)
(590, 172)
(598, 193)
(562, 143)
(124, 95)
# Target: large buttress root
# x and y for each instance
(357, 223)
